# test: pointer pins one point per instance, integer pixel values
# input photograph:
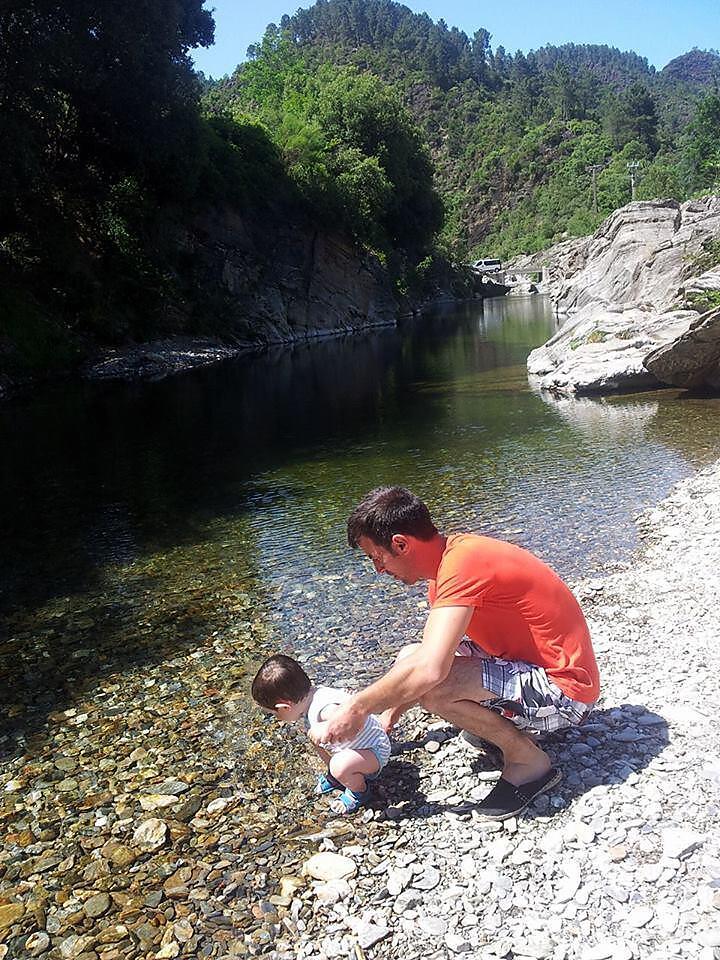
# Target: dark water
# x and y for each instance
(158, 504)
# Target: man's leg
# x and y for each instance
(458, 699)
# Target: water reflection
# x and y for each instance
(266, 456)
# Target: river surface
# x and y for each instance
(143, 519)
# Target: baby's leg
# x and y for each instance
(351, 766)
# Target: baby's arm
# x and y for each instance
(317, 730)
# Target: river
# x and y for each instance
(143, 519)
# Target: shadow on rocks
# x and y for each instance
(612, 747)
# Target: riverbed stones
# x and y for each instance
(151, 834)
(329, 866)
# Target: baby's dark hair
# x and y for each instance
(280, 678)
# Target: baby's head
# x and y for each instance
(281, 686)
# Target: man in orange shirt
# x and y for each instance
(505, 648)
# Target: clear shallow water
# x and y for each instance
(137, 514)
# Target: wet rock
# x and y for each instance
(10, 913)
(151, 834)
(97, 905)
(119, 854)
(37, 943)
(73, 946)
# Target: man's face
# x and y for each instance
(397, 561)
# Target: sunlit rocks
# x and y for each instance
(10, 913)
(151, 834)
(329, 866)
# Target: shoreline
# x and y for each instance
(122, 843)
(622, 859)
(158, 359)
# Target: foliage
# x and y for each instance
(505, 130)
(421, 142)
(701, 154)
(350, 147)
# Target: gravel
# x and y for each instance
(155, 818)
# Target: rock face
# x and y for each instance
(271, 282)
(639, 284)
(285, 281)
(693, 360)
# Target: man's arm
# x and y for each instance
(410, 677)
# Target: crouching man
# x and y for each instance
(505, 648)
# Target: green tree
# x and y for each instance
(701, 151)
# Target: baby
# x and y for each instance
(282, 686)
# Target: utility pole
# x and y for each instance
(594, 168)
(632, 166)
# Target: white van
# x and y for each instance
(488, 266)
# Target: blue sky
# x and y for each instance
(656, 29)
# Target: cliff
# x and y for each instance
(249, 283)
(641, 290)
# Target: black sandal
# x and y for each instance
(506, 800)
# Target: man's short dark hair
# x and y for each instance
(280, 678)
(386, 511)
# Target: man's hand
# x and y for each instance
(318, 733)
(389, 717)
(347, 721)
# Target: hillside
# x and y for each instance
(138, 201)
(513, 137)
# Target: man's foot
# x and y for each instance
(507, 800)
(525, 763)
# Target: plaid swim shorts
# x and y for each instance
(524, 693)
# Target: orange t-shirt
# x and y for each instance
(523, 610)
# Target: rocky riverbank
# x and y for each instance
(641, 298)
(622, 860)
(155, 816)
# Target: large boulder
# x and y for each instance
(638, 284)
(693, 359)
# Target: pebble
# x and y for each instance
(151, 834)
(432, 926)
(427, 880)
(37, 943)
(456, 943)
(620, 862)
(329, 866)
(97, 905)
(639, 916)
(367, 932)
(607, 950)
(679, 842)
(10, 913)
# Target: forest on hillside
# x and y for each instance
(527, 148)
(416, 142)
